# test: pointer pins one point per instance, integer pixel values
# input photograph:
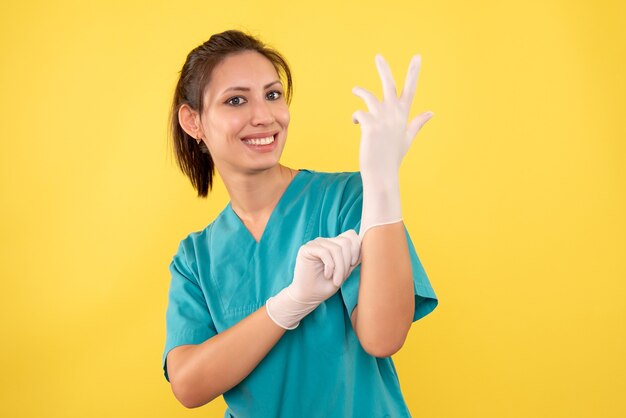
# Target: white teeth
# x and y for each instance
(259, 141)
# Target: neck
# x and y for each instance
(253, 196)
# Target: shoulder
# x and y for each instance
(193, 244)
(339, 182)
(198, 240)
(339, 197)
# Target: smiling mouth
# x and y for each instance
(260, 141)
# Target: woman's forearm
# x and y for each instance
(386, 298)
(201, 373)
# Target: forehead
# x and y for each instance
(243, 69)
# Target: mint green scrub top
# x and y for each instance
(221, 274)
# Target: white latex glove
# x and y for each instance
(386, 137)
(322, 265)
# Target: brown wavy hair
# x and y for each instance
(194, 159)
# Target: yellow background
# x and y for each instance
(514, 193)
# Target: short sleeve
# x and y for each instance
(188, 320)
(350, 218)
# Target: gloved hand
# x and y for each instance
(385, 138)
(321, 267)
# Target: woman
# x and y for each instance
(263, 301)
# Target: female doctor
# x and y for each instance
(279, 304)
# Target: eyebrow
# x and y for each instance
(248, 89)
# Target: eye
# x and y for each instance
(235, 101)
(274, 95)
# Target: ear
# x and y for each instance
(189, 120)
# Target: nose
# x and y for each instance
(262, 113)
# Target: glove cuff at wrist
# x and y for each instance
(286, 311)
(381, 205)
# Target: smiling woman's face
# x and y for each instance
(244, 100)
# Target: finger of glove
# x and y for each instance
(337, 253)
(313, 251)
(416, 124)
(355, 245)
(346, 251)
(370, 100)
(410, 83)
(389, 85)
(361, 117)
(351, 270)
